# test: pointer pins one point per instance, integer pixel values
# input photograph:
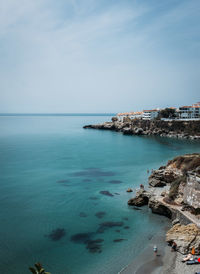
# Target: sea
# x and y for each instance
(63, 199)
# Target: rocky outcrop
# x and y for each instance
(175, 129)
(159, 208)
(182, 181)
(141, 199)
(179, 199)
(144, 197)
(185, 236)
(129, 190)
(163, 176)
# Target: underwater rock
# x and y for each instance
(100, 214)
(116, 193)
(80, 238)
(57, 234)
(105, 225)
(126, 227)
(94, 246)
(118, 240)
(107, 193)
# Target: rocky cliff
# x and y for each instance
(174, 191)
(186, 237)
(181, 176)
(177, 129)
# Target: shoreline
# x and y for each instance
(147, 260)
(184, 228)
(188, 130)
(164, 263)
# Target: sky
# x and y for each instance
(98, 56)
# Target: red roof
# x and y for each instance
(151, 110)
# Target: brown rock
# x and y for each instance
(141, 198)
(163, 194)
(129, 190)
(186, 237)
(158, 208)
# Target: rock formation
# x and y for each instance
(185, 236)
(180, 179)
(129, 190)
(159, 208)
(176, 129)
(141, 199)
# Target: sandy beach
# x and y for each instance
(164, 262)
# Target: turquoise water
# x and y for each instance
(51, 174)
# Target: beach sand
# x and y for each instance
(164, 262)
(177, 267)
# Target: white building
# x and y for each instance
(149, 114)
(131, 115)
(121, 116)
(190, 112)
(136, 115)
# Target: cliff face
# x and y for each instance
(178, 129)
(163, 127)
(175, 193)
(191, 193)
(186, 237)
(182, 175)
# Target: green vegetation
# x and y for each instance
(173, 192)
(167, 113)
(187, 162)
(38, 269)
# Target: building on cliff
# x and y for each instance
(131, 115)
(150, 114)
(189, 112)
(182, 113)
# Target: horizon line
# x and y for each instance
(56, 113)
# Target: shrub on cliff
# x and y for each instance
(193, 164)
(187, 162)
(173, 192)
(167, 113)
(114, 119)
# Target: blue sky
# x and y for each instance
(97, 55)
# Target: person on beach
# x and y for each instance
(174, 246)
(187, 258)
(141, 186)
(155, 249)
(193, 251)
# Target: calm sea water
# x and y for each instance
(52, 173)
